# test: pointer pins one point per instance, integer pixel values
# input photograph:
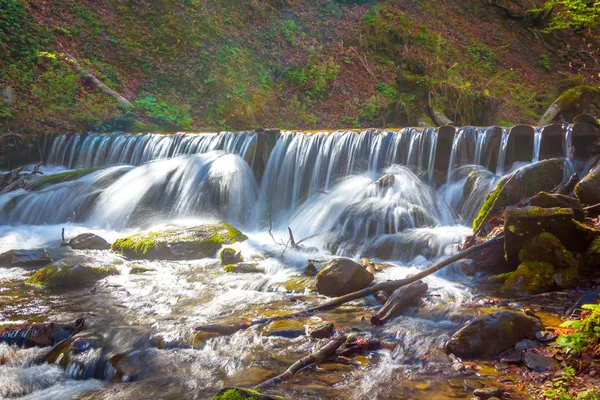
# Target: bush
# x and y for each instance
(164, 113)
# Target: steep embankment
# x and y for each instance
(292, 64)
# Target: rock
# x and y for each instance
(322, 331)
(545, 336)
(511, 356)
(25, 258)
(551, 200)
(234, 393)
(138, 269)
(179, 244)
(531, 277)
(523, 183)
(471, 384)
(588, 189)
(67, 276)
(438, 357)
(492, 334)
(243, 268)
(88, 241)
(465, 267)
(286, 333)
(527, 344)
(588, 298)
(523, 224)
(488, 392)
(341, 276)
(39, 335)
(230, 256)
(491, 259)
(385, 181)
(310, 270)
(539, 363)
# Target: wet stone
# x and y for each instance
(471, 384)
(511, 356)
(488, 392)
(526, 344)
(321, 331)
(501, 367)
(545, 336)
(539, 363)
(310, 270)
(287, 333)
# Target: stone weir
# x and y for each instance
(436, 152)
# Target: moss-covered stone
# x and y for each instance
(243, 394)
(69, 276)
(530, 277)
(229, 256)
(552, 200)
(178, 244)
(548, 248)
(243, 268)
(588, 189)
(62, 177)
(523, 183)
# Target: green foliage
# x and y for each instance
(315, 77)
(570, 14)
(288, 30)
(544, 62)
(587, 331)
(483, 56)
(388, 91)
(21, 38)
(164, 113)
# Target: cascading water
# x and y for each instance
(370, 193)
(537, 142)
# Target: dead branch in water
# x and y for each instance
(400, 300)
(315, 358)
(338, 301)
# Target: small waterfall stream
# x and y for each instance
(407, 196)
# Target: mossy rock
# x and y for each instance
(243, 394)
(523, 224)
(588, 189)
(69, 276)
(523, 183)
(179, 244)
(531, 277)
(62, 177)
(548, 248)
(138, 269)
(243, 268)
(229, 256)
(552, 200)
(590, 262)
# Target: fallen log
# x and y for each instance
(338, 301)
(315, 358)
(92, 80)
(400, 300)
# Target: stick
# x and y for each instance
(338, 301)
(315, 358)
(591, 207)
(292, 241)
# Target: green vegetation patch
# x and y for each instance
(69, 276)
(243, 394)
(63, 177)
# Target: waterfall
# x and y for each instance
(100, 150)
(537, 141)
(502, 156)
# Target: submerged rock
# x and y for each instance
(523, 183)
(341, 276)
(179, 244)
(66, 276)
(25, 258)
(243, 268)
(39, 335)
(88, 241)
(588, 189)
(492, 334)
(321, 331)
(539, 362)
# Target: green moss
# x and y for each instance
(548, 248)
(229, 268)
(594, 248)
(234, 234)
(63, 177)
(139, 244)
(487, 205)
(65, 276)
(242, 394)
(531, 277)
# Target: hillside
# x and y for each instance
(199, 64)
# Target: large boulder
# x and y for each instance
(179, 244)
(88, 241)
(492, 334)
(588, 189)
(68, 276)
(551, 200)
(25, 258)
(523, 224)
(523, 183)
(342, 276)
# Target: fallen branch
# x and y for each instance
(36, 169)
(315, 358)
(88, 77)
(338, 301)
(400, 300)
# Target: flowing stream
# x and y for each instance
(398, 196)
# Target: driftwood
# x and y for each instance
(315, 358)
(36, 169)
(400, 300)
(92, 80)
(338, 301)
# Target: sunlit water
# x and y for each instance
(320, 186)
